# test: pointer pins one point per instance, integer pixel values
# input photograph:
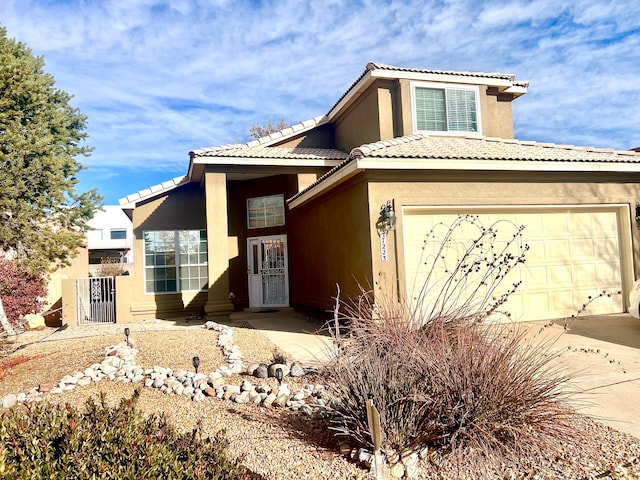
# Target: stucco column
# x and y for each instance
(215, 185)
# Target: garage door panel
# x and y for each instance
(537, 303)
(603, 222)
(553, 223)
(607, 246)
(561, 303)
(585, 273)
(534, 276)
(608, 274)
(573, 253)
(556, 247)
(537, 250)
(580, 222)
(560, 275)
(583, 247)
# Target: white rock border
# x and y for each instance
(119, 365)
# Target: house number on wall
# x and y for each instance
(383, 246)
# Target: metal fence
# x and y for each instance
(96, 297)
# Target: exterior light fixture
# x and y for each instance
(387, 219)
(279, 375)
(196, 363)
(126, 334)
(638, 215)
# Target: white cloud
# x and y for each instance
(158, 78)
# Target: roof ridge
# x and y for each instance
(167, 185)
(266, 140)
(219, 148)
(367, 148)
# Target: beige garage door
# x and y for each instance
(574, 254)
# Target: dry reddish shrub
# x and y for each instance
(21, 291)
(482, 394)
(442, 377)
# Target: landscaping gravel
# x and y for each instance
(276, 443)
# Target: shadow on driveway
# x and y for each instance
(621, 329)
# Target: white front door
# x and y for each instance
(268, 272)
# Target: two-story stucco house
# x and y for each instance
(281, 220)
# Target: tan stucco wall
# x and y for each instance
(320, 137)
(486, 188)
(179, 209)
(330, 244)
(78, 268)
(360, 123)
(335, 240)
(497, 116)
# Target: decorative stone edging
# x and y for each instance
(119, 365)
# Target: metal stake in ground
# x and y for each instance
(196, 363)
(373, 419)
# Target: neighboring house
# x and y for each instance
(282, 220)
(109, 239)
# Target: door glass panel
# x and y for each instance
(273, 273)
(255, 259)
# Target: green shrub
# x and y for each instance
(44, 441)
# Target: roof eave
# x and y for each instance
(131, 201)
(528, 165)
(358, 165)
(266, 162)
(339, 176)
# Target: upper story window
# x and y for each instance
(445, 109)
(118, 234)
(265, 211)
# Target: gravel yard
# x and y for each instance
(275, 443)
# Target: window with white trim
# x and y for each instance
(448, 109)
(118, 234)
(175, 261)
(265, 211)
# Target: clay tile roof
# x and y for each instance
(421, 146)
(502, 76)
(484, 148)
(260, 151)
(147, 192)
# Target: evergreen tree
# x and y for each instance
(41, 135)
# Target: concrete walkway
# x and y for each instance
(291, 332)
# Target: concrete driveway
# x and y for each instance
(603, 352)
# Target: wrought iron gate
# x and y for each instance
(96, 298)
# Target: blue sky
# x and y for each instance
(160, 78)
